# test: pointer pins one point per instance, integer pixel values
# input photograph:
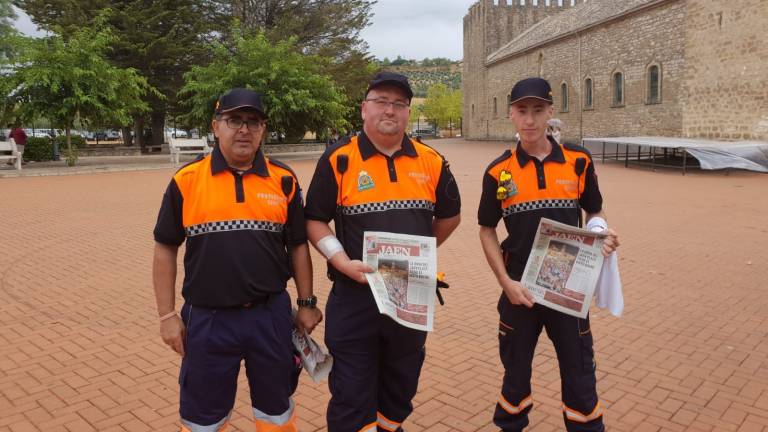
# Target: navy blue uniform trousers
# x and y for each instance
(376, 362)
(218, 340)
(519, 329)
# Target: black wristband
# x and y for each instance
(309, 302)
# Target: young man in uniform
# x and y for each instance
(379, 180)
(539, 178)
(241, 216)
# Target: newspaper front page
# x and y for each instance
(563, 267)
(403, 283)
(314, 357)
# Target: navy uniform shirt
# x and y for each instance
(398, 194)
(237, 226)
(550, 188)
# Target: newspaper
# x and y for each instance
(314, 358)
(563, 267)
(403, 283)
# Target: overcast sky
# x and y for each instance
(414, 29)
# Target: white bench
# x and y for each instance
(180, 146)
(9, 152)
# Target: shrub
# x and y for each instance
(38, 149)
(77, 141)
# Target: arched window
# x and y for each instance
(618, 89)
(588, 93)
(654, 84)
(473, 110)
(495, 107)
(563, 97)
(541, 63)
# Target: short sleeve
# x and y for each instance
(296, 223)
(169, 228)
(591, 199)
(489, 210)
(321, 196)
(448, 199)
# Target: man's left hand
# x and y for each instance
(308, 318)
(611, 242)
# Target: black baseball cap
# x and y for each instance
(531, 88)
(391, 78)
(238, 98)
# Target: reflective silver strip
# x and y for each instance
(388, 205)
(194, 427)
(279, 420)
(233, 225)
(539, 205)
(515, 409)
(576, 416)
(386, 423)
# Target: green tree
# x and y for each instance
(315, 24)
(7, 32)
(442, 105)
(161, 39)
(327, 28)
(68, 80)
(297, 96)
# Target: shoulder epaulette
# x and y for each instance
(418, 139)
(280, 164)
(198, 159)
(577, 148)
(504, 156)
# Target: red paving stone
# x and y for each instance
(79, 348)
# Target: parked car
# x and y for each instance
(425, 133)
(38, 133)
(175, 133)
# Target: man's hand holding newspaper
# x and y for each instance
(516, 293)
(564, 265)
(404, 280)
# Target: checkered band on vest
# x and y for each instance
(233, 225)
(388, 205)
(539, 205)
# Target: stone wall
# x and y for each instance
(713, 57)
(628, 45)
(489, 25)
(726, 81)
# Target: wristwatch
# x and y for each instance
(309, 302)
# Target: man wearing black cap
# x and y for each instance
(539, 178)
(379, 180)
(239, 213)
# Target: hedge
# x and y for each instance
(38, 149)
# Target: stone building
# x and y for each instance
(677, 68)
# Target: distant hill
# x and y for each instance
(421, 77)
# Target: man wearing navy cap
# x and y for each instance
(539, 178)
(240, 213)
(379, 180)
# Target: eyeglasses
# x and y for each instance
(384, 104)
(236, 123)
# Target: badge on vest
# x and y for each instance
(507, 187)
(364, 181)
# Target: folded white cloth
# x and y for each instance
(608, 291)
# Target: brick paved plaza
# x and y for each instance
(79, 348)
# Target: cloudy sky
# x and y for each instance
(414, 29)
